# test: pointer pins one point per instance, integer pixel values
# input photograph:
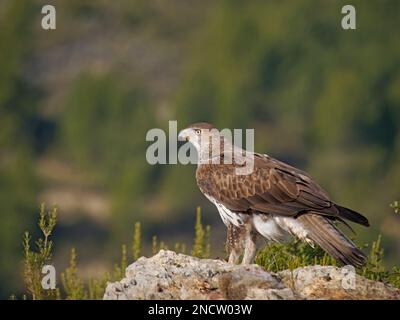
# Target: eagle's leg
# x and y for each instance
(250, 247)
(235, 237)
(234, 256)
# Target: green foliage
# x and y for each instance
(137, 242)
(201, 243)
(277, 257)
(273, 257)
(163, 246)
(396, 206)
(109, 151)
(154, 245)
(207, 242)
(286, 69)
(72, 285)
(18, 118)
(35, 259)
(375, 268)
(281, 74)
(180, 247)
(15, 31)
(119, 269)
(97, 287)
(74, 288)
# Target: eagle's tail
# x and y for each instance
(324, 233)
(351, 215)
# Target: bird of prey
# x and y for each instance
(274, 200)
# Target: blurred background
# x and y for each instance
(76, 103)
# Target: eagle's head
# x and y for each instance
(213, 146)
(202, 135)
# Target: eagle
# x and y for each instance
(273, 200)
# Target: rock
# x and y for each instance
(169, 275)
(328, 282)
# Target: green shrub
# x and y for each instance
(273, 257)
(375, 269)
(34, 260)
(201, 243)
(277, 257)
(137, 242)
(396, 206)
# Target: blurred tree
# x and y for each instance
(18, 100)
(104, 128)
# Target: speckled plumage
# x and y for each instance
(274, 200)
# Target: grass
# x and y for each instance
(273, 257)
(72, 286)
(277, 257)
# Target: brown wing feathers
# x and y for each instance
(324, 233)
(277, 188)
(351, 215)
(274, 187)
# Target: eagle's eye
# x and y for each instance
(197, 131)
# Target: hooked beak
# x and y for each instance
(183, 135)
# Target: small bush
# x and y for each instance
(277, 257)
(201, 243)
(375, 269)
(273, 257)
(137, 241)
(73, 286)
(39, 256)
